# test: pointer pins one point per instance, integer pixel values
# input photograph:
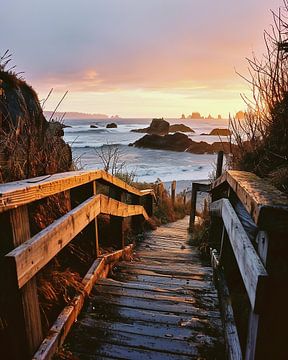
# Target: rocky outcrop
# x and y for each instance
(162, 127)
(220, 132)
(203, 147)
(180, 142)
(180, 128)
(174, 142)
(29, 144)
(157, 127)
(93, 126)
(111, 126)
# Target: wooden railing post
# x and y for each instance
(95, 225)
(24, 305)
(137, 221)
(193, 206)
(219, 164)
(173, 191)
(267, 330)
(253, 322)
(148, 204)
(116, 222)
(78, 195)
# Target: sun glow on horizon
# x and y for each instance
(137, 59)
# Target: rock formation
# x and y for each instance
(180, 142)
(196, 115)
(157, 127)
(162, 127)
(174, 142)
(111, 126)
(220, 132)
(180, 128)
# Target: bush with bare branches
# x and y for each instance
(262, 137)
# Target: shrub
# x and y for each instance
(262, 136)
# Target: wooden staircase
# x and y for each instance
(160, 305)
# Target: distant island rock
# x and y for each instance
(162, 127)
(180, 128)
(93, 126)
(180, 142)
(111, 126)
(220, 132)
(157, 127)
(196, 115)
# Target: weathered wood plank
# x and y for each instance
(165, 345)
(109, 351)
(116, 208)
(232, 343)
(29, 307)
(151, 310)
(172, 270)
(253, 325)
(22, 192)
(267, 206)
(168, 288)
(167, 281)
(253, 273)
(163, 306)
(35, 253)
(155, 293)
(65, 320)
(117, 255)
(141, 328)
(150, 272)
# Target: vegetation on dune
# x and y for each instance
(262, 136)
(31, 146)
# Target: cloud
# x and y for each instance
(180, 47)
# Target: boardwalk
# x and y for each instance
(161, 305)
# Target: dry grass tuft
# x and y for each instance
(200, 233)
(56, 288)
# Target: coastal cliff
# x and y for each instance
(29, 144)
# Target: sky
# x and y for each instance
(136, 58)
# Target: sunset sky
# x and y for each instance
(136, 58)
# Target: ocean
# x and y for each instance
(149, 165)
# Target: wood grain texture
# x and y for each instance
(252, 270)
(152, 309)
(267, 206)
(22, 192)
(30, 310)
(68, 316)
(34, 254)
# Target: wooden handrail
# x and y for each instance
(23, 192)
(261, 265)
(252, 271)
(267, 206)
(31, 254)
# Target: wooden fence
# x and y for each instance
(27, 254)
(260, 256)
